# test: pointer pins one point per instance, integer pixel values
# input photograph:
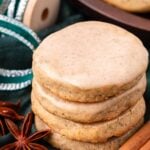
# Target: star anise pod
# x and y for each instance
(8, 110)
(25, 141)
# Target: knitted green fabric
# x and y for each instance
(16, 9)
(15, 79)
(1, 1)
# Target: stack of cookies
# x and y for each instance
(88, 86)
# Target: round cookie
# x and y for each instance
(41, 13)
(131, 5)
(97, 132)
(88, 112)
(90, 62)
(64, 143)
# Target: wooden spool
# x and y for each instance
(41, 13)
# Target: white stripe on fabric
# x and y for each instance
(19, 24)
(14, 73)
(17, 73)
(11, 8)
(21, 10)
(17, 36)
(14, 86)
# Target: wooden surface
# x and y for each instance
(139, 139)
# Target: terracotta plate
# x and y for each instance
(97, 9)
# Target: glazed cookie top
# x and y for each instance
(131, 5)
(91, 55)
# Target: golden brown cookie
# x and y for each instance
(88, 112)
(64, 143)
(90, 62)
(131, 5)
(95, 132)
